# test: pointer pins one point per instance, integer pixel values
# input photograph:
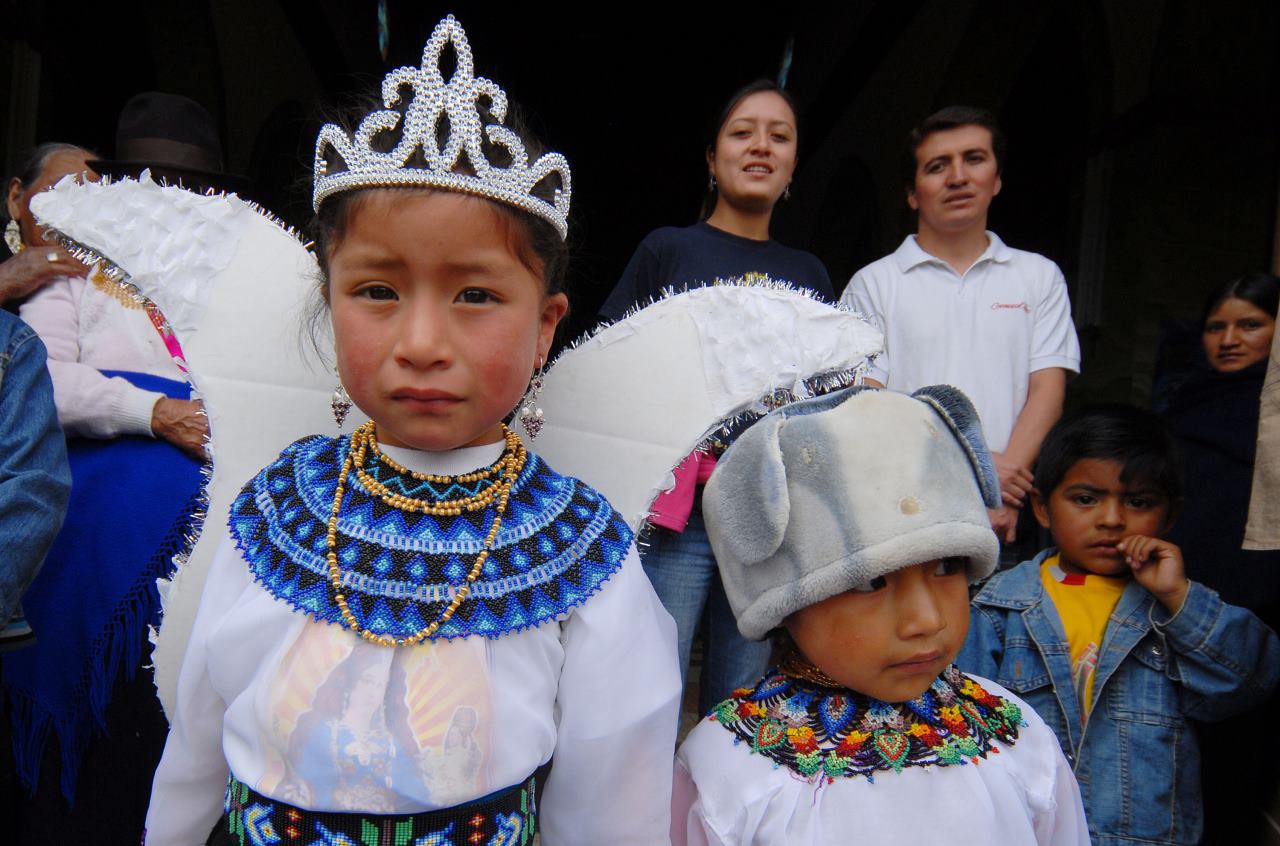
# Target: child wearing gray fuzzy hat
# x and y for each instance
(852, 524)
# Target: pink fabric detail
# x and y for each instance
(166, 335)
(671, 509)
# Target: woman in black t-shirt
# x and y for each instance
(751, 159)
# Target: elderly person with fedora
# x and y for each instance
(91, 327)
(135, 444)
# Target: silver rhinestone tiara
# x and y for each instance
(434, 99)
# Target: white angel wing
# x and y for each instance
(235, 286)
(625, 406)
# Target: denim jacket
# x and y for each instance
(1137, 760)
(34, 479)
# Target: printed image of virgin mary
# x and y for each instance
(454, 769)
(353, 750)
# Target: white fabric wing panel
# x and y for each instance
(627, 405)
(235, 287)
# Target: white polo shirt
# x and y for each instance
(984, 332)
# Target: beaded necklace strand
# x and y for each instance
(507, 469)
(797, 666)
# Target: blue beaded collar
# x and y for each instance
(558, 543)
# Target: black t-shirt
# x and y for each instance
(694, 256)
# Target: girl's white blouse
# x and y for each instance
(307, 713)
(726, 796)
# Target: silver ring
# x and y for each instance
(51, 257)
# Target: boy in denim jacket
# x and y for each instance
(34, 479)
(1107, 639)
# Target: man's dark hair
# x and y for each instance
(951, 117)
(1136, 439)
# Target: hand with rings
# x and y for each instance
(33, 268)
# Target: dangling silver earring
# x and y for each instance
(786, 192)
(13, 237)
(711, 181)
(530, 413)
(341, 403)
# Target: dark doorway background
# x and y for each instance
(1142, 133)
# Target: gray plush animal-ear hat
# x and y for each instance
(831, 492)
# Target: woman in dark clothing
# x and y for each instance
(751, 158)
(1215, 418)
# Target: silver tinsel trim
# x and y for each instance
(88, 256)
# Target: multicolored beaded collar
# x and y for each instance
(822, 732)
(559, 541)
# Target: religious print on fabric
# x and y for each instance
(827, 733)
(355, 726)
(558, 543)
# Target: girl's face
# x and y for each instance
(56, 167)
(891, 638)
(1237, 334)
(755, 153)
(438, 324)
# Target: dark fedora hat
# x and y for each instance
(173, 136)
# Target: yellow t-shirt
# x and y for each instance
(1084, 604)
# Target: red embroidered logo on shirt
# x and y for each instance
(1023, 306)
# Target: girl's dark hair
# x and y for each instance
(1260, 289)
(32, 164)
(1135, 438)
(712, 133)
(539, 246)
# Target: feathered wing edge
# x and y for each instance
(90, 256)
(815, 385)
(770, 395)
(118, 275)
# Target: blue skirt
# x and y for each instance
(134, 502)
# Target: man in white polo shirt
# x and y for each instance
(959, 307)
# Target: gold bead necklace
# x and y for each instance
(363, 439)
(799, 667)
(489, 472)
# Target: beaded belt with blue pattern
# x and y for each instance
(505, 818)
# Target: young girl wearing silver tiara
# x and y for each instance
(415, 619)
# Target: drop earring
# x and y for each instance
(786, 192)
(530, 413)
(340, 403)
(13, 237)
(711, 181)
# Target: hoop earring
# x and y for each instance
(530, 413)
(13, 237)
(340, 403)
